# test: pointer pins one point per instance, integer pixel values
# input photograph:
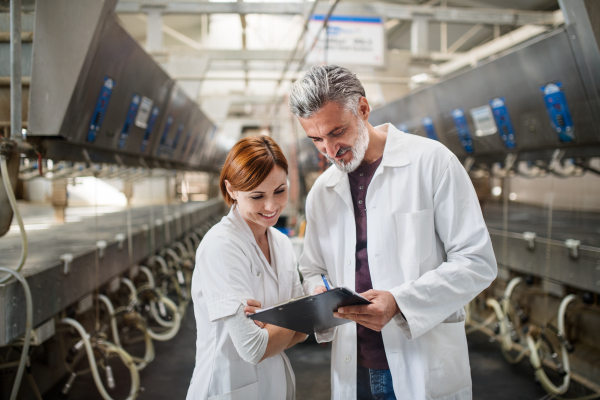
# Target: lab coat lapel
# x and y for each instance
(242, 225)
(346, 262)
(340, 183)
(277, 259)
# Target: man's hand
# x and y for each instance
(373, 316)
(319, 289)
(251, 308)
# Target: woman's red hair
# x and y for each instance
(249, 162)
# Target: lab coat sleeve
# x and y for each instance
(312, 264)
(249, 340)
(470, 266)
(226, 276)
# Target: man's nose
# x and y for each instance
(331, 149)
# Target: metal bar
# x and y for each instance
(26, 37)
(377, 79)
(312, 46)
(399, 11)
(6, 81)
(16, 91)
(463, 39)
(300, 38)
(237, 55)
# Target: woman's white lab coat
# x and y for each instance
(427, 244)
(230, 269)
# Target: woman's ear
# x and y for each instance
(230, 190)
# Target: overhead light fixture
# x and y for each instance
(419, 78)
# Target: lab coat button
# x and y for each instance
(348, 359)
(348, 262)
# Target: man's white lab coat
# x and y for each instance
(427, 244)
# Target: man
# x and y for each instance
(395, 218)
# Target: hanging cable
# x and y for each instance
(307, 52)
(13, 204)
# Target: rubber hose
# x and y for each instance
(13, 204)
(135, 378)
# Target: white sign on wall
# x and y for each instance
(351, 40)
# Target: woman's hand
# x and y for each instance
(251, 308)
(319, 289)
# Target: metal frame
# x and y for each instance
(397, 11)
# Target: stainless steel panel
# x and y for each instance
(582, 18)
(54, 291)
(179, 109)
(119, 57)
(62, 52)
(553, 263)
(65, 98)
(517, 76)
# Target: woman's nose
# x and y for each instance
(271, 204)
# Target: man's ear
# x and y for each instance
(363, 109)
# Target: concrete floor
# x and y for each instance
(169, 375)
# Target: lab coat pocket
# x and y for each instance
(248, 392)
(415, 233)
(447, 370)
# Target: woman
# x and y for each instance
(241, 264)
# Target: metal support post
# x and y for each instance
(16, 90)
(154, 32)
(419, 36)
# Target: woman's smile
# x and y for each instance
(268, 216)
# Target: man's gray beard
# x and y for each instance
(358, 150)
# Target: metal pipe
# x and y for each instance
(16, 91)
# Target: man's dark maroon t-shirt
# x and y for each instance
(370, 350)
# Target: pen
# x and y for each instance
(325, 282)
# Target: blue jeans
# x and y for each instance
(374, 384)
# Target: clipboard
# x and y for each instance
(310, 314)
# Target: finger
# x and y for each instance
(369, 322)
(365, 309)
(259, 324)
(254, 303)
(369, 294)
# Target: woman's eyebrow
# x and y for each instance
(257, 192)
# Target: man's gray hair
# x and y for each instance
(321, 85)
